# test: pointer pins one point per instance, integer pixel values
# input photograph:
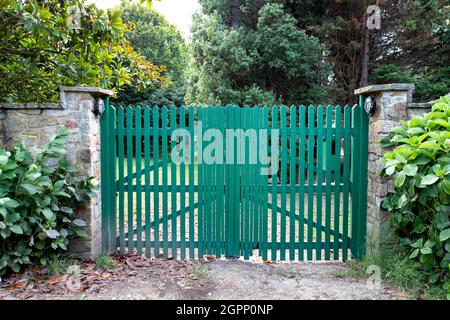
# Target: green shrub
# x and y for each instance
(389, 73)
(420, 206)
(37, 202)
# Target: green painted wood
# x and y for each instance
(191, 183)
(337, 179)
(257, 204)
(238, 191)
(311, 120)
(165, 161)
(246, 190)
(302, 165)
(156, 206)
(283, 180)
(355, 171)
(362, 192)
(329, 140)
(201, 195)
(320, 143)
(233, 199)
(121, 188)
(173, 182)
(208, 213)
(106, 150)
(346, 181)
(265, 193)
(274, 237)
(112, 190)
(292, 182)
(147, 148)
(220, 249)
(182, 171)
(130, 213)
(138, 157)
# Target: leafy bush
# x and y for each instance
(420, 206)
(37, 202)
(389, 73)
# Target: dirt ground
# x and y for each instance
(136, 278)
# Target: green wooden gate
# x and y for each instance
(216, 201)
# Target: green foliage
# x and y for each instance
(432, 83)
(37, 202)
(59, 263)
(401, 272)
(104, 262)
(390, 73)
(265, 61)
(420, 206)
(46, 44)
(158, 41)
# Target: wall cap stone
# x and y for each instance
(19, 106)
(420, 105)
(385, 87)
(96, 92)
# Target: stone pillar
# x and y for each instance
(84, 106)
(33, 124)
(392, 102)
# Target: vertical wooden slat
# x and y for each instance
(191, 183)
(319, 180)
(156, 210)
(173, 183)
(246, 184)
(121, 137)
(257, 183)
(364, 126)
(302, 164)
(208, 184)
(183, 234)
(346, 181)
(138, 144)
(292, 174)
(201, 186)
(147, 165)
(274, 190)
(359, 178)
(283, 183)
(337, 184)
(165, 157)
(240, 183)
(220, 191)
(265, 191)
(112, 184)
(310, 180)
(130, 160)
(329, 143)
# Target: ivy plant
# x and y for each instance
(38, 199)
(419, 207)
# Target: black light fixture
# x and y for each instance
(370, 105)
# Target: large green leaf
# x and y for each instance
(429, 179)
(410, 169)
(399, 179)
(444, 235)
(16, 229)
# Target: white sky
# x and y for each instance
(177, 12)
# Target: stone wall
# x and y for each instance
(393, 104)
(32, 125)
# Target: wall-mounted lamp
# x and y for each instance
(370, 105)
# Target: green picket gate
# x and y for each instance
(216, 201)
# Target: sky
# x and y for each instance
(177, 12)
